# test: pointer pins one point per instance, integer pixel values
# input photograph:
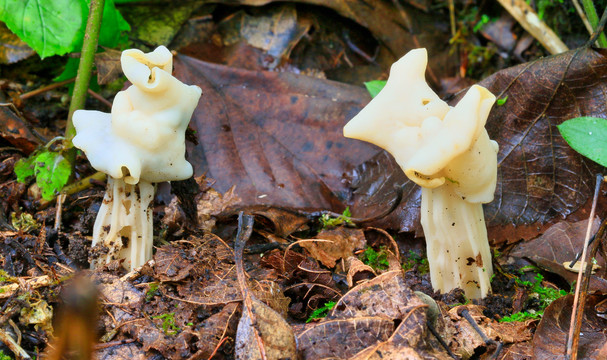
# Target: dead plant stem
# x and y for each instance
(579, 301)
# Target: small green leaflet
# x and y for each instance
(375, 86)
(587, 136)
(502, 101)
(51, 170)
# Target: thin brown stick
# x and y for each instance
(44, 89)
(113, 343)
(100, 98)
(583, 16)
(528, 19)
(579, 299)
(245, 229)
(218, 346)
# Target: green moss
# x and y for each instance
(540, 296)
(322, 311)
(378, 260)
(344, 219)
(168, 323)
(415, 260)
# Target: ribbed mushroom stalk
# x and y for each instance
(446, 151)
(141, 142)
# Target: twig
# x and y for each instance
(583, 16)
(13, 346)
(526, 16)
(100, 98)
(76, 187)
(59, 211)
(218, 346)
(452, 18)
(594, 21)
(245, 229)
(42, 90)
(579, 301)
(87, 57)
(466, 314)
(440, 340)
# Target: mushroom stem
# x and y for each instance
(123, 228)
(456, 240)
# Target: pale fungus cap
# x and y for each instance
(144, 136)
(447, 151)
(431, 141)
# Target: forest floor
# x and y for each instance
(313, 238)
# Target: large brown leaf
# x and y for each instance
(550, 339)
(276, 136)
(539, 177)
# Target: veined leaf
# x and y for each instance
(49, 27)
(588, 136)
(56, 27)
(24, 168)
(52, 172)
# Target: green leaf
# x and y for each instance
(52, 171)
(112, 26)
(502, 101)
(587, 136)
(49, 27)
(70, 71)
(56, 27)
(375, 86)
(24, 169)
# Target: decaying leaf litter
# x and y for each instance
(267, 141)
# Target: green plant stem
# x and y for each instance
(594, 20)
(87, 56)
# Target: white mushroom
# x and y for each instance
(446, 151)
(140, 143)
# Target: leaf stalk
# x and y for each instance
(87, 57)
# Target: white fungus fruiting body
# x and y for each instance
(142, 141)
(446, 151)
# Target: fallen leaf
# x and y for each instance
(272, 295)
(559, 244)
(215, 328)
(343, 338)
(108, 66)
(284, 221)
(262, 332)
(12, 49)
(275, 30)
(550, 338)
(276, 137)
(518, 351)
(468, 342)
(358, 272)
(17, 131)
(337, 243)
(386, 295)
(130, 350)
(409, 341)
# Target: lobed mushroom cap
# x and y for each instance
(144, 136)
